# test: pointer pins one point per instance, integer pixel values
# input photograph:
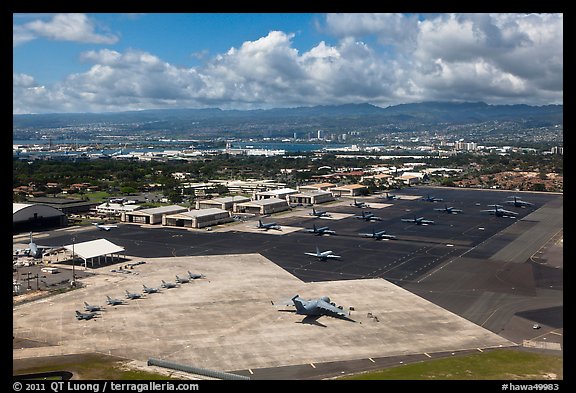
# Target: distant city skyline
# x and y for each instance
(119, 62)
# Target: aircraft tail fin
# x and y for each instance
(298, 304)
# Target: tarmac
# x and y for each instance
(469, 282)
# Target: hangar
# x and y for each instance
(151, 216)
(226, 203)
(26, 216)
(311, 197)
(262, 206)
(198, 218)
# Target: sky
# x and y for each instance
(117, 62)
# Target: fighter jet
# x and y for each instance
(168, 285)
(194, 276)
(86, 316)
(319, 213)
(324, 255)
(359, 204)
(368, 216)
(389, 196)
(182, 280)
(91, 308)
(270, 225)
(429, 198)
(104, 227)
(320, 231)
(132, 296)
(315, 308)
(149, 289)
(113, 302)
(418, 221)
(449, 210)
(499, 212)
(517, 202)
(378, 235)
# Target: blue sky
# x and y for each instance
(112, 62)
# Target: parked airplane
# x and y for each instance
(86, 316)
(181, 280)
(319, 213)
(113, 302)
(320, 231)
(91, 308)
(149, 289)
(194, 276)
(499, 212)
(449, 210)
(418, 221)
(33, 250)
(359, 204)
(429, 198)
(270, 225)
(319, 307)
(389, 196)
(104, 227)
(368, 216)
(517, 202)
(378, 235)
(168, 285)
(324, 255)
(132, 296)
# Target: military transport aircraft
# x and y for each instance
(368, 216)
(449, 210)
(91, 308)
(324, 255)
(418, 221)
(359, 204)
(149, 289)
(315, 308)
(270, 225)
(319, 213)
(86, 316)
(113, 302)
(389, 196)
(132, 296)
(34, 250)
(517, 202)
(378, 235)
(104, 227)
(168, 285)
(499, 212)
(320, 231)
(429, 198)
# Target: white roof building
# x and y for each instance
(95, 250)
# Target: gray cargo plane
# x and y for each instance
(324, 255)
(359, 204)
(320, 231)
(517, 202)
(499, 212)
(368, 216)
(429, 198)
(378, 235)
(418, 221)
(270, 225)
(316, 308)
(34, 250)
(449, 210)
(319, 213)
(389, 196)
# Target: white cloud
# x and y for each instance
(62, 27)
(501, 58)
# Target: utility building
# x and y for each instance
(198, 218)
(225, 203)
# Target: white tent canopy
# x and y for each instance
(95, 249)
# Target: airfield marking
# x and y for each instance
(559, 334)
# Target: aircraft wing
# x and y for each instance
(312, 254)
(331, 256)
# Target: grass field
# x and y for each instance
(502, 364)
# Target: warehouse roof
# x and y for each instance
(94, 248)
(200, 213)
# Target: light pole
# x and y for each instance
(73, 262)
